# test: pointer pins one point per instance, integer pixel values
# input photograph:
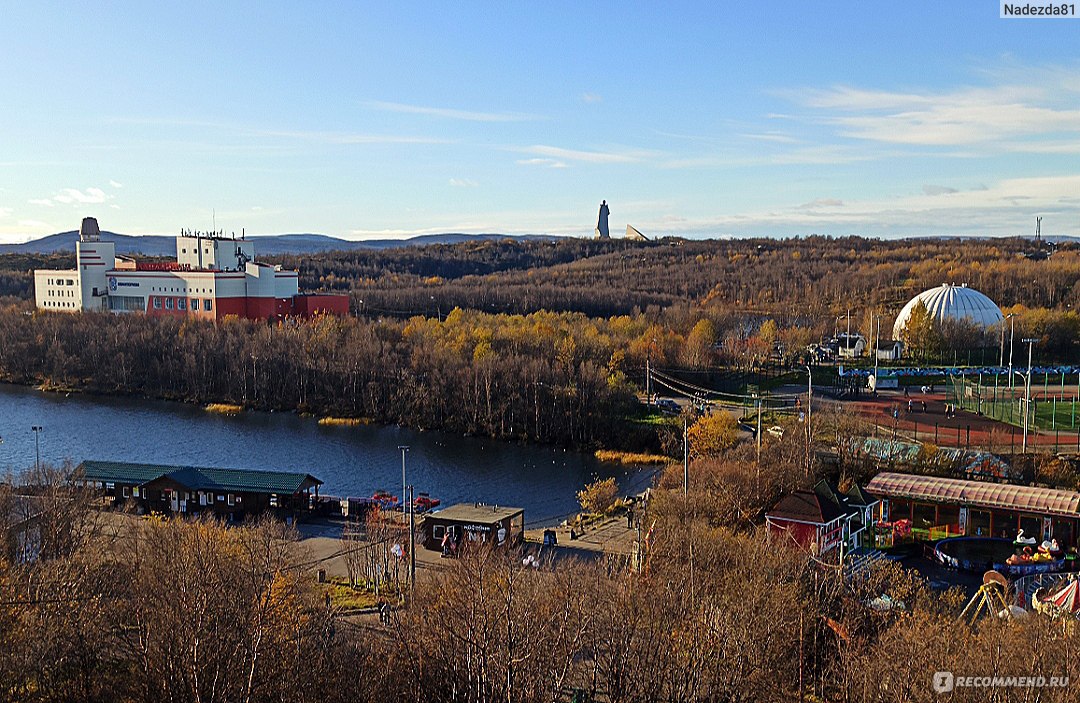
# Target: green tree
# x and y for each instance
(920, 335)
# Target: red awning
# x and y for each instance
(932, 489)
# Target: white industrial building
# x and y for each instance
(212, 277)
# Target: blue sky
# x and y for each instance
(364, 120)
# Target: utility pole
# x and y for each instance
(37, 447)
(759, 432)
(685, 459)
(1027, 392)
(809, 404)
(412, 539)
(648, 377)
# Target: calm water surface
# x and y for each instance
(352, 461)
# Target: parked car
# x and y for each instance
(668, 405)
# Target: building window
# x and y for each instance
(157, 303)
(209, 305)
(437, 532)
(181, 303)
(168, 303)
(127, 491)
(195, 304)
(273, 500)
(231, 497)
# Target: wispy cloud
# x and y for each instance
(35, 224)
(593, 157)
(114, 184)
(463, 183)
(775, 137)
(323, 136)
(46, 202)
(5, 211)
(591, 98)
(981, 210)
(74, 196)
(451, 113)
(931, 189)
(550, 163)
(1025, 113)
(350, 137)
(820, 203)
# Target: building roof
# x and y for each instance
(1029, 499)
(949, 302)
(198, 478)
(476, 512)
(121, 472)
(820, 506)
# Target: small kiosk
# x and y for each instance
(452, 527)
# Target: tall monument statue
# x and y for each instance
(601, 224)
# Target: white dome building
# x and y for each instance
(949, 302)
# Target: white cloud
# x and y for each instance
(114, 184)
(550, 163)
(350, 137)
(1007, 207)
(91, 196)
(931, 189)
(463, 183)
(42, 201)
(594, 157)
(1027, 114)
(775, 137)
(451, 113)
(591, 98)
(820, 203)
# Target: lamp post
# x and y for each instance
(1027, 393)
(405, 506)
(404, 488)
(37, 447)
(1012, 328)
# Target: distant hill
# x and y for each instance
(267, 244)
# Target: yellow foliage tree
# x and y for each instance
(598, 496)
(712, 434)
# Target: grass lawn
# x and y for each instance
(342, 595)
(1044, 415)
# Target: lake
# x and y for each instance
(352, 461)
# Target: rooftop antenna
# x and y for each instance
(1038, 229)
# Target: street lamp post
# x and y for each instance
(1012, 329)
(404, 487)
(37, 447)
(405, 512)
(1027, 392)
